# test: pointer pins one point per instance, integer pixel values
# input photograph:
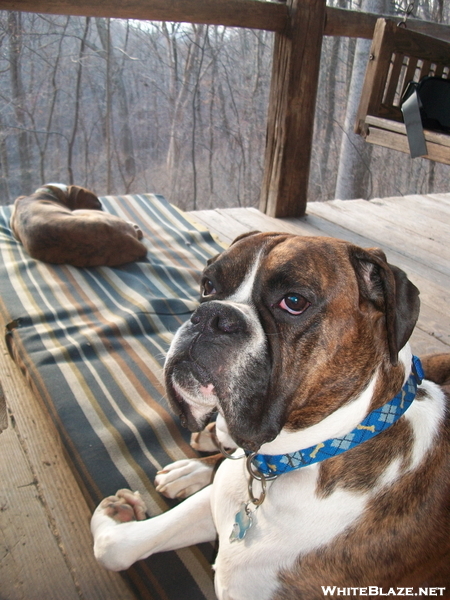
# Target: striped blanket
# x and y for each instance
(92, 342)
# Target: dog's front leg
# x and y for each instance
(119, 541)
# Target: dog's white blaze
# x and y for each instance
(294, 523)
(243, 360)
(425, 417)
(392, 472)
(243, 295)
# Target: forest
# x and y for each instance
(180, 110)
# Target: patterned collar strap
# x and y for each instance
(375, 422)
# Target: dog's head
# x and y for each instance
(289, 328)
(72, 196)
(79, 197)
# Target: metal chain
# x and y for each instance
(408, 12)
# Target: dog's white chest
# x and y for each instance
(292, 520)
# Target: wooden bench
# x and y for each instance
(397, 57)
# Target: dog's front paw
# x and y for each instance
(137, 230)
(108, 524)
(125, 506)
(184, 477)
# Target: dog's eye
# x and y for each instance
(208, 288)
(294, 304)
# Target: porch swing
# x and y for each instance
(399, 57)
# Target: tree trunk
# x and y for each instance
(332, 81)
(4, 167)
(18, 95)
(43, 158)
(180, 102)
(126, 158)
(354, 162)
(76, 115)
(195, 117)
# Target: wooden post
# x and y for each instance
(295, 75)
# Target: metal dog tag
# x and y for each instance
(242, 523)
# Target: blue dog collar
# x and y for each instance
(376, 421)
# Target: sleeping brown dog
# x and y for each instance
(65, 224)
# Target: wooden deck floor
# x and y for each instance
(45, 545)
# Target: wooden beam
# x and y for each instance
(350, 23)
(254, 14)
(292, 104)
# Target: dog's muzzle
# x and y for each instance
(220, 318)
(218, 361)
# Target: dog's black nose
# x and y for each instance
(218, 317)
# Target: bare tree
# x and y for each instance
(126, 160)
(18, 96)
(353, 178)
(76, 115)
(174, 109)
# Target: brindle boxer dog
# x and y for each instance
(343, 473)
(64, 224)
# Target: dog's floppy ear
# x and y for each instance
(389, 289)
(79, 197)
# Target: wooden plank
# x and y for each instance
(228, 223)
(432, 321)
(394, 74)
(256, 220)
(224, 227)
(418, 45)
(410, 71)
(423, 209)
(376, 74)
(425, 70)
(351, 23)
(423, 343)
(292, 103)
(433, 285)
(442, 200)
(254, 14)
(32, 565)
(59, 496)
(399, 142)
(437, 204)
(427, 226)
(387, 234)
(395, 126)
